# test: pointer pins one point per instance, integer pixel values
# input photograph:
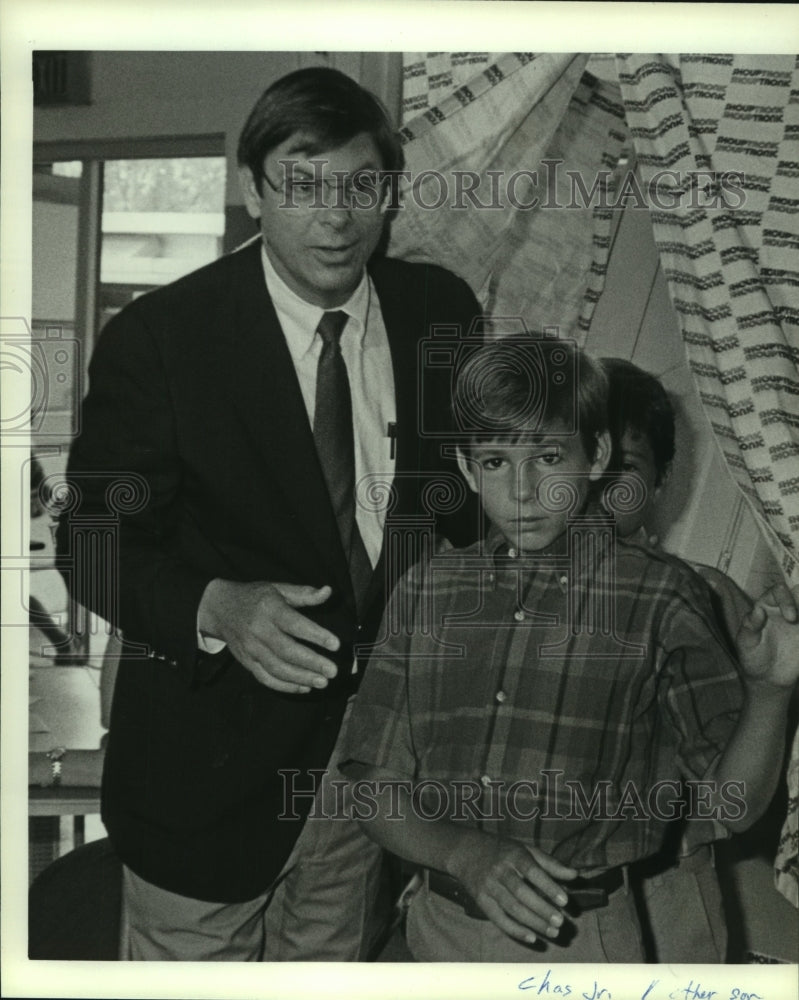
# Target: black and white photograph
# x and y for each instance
(401, 502)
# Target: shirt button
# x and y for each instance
(485, 780)
(500, 696)
(519, 616)
(563, 580)
(512, 553)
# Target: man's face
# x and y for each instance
(320, 252)
(517, 482)
(637, 457)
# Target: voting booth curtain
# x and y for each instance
(524, 151)
(505, 128)
(719, 135)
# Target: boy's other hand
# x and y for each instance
(781, 596)
(768, 640)
(514, 885)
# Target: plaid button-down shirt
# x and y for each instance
(558, 697)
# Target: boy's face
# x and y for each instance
(636, 456)
(514, 480)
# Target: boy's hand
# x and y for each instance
(768, 640)
(514, 885)
(781, 596)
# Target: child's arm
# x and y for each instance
(768, 651)
(513, 884)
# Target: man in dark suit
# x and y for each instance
(243, 568)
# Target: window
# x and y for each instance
(161, 219)
(110, 222)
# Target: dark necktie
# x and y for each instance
(335, 445)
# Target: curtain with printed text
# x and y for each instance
(493, 144)
(717, 145)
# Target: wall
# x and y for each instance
(53, 260)
(147, 94)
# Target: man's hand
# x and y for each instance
(768, 640)
(513, 884)
(264, 631)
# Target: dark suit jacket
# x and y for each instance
(194, 403)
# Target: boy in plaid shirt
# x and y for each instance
(545, 706)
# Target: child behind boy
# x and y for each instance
(642, 431)
(683, 903)
(541, 701)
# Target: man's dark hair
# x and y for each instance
(638, 403)
(327, 107)
(509, 389)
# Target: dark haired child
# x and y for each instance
(683, 902)
(540, 701)
(642, 431)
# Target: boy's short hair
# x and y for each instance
(511, 388)
(324, 104)
(638, 403)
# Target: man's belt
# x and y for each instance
(585, 893)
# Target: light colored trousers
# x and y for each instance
(438, 930)
(322, 906)
(686, 912)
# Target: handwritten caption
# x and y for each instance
(547, 984)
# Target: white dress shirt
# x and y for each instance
(364, 345)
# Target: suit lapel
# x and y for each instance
(265, 390)
(263, 384)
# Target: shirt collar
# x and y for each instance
(304, 316)
(497, 545)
